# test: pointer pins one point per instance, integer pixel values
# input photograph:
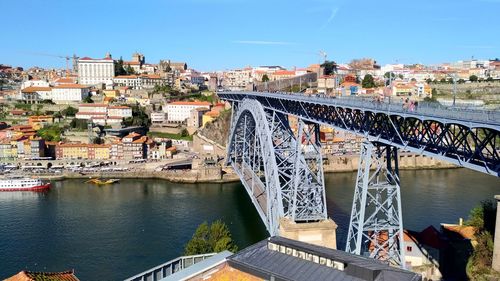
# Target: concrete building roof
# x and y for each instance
(265, 262)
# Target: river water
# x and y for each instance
(113, 232)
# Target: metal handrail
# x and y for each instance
(150, 273)
(424, 109)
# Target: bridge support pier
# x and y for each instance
(321, 233)
(376, 225)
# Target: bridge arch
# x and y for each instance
(250, 134)
(283, 176)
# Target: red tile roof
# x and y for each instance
(203, 103)
(92, 105)
(48, 276)
(35, 89)
(284, 72)
(70, 86)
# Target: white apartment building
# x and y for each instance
(180, 111)
(144, 81)
(69, 93)
(103, 113)
(94, 71)
(119, 111)
(238, 79)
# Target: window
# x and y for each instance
(409, 248)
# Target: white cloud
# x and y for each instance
(257, 42)
(333, 13)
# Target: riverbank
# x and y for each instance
(217, 174)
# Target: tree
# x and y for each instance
(461, 81)
(489, 79)
(139, 117)
(51, 133)
(473, 78)
(119, 70)
(58, 115)
(265, 78)
(413, 80)
(129, 70)
(88, 99)
(184, 133)
(443, 80)
(330, 67)
(368, 81)
(450, 80)
(69, 111)
(209, 239)
(483, 219)
(428, 80)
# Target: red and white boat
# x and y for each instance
(23, 184)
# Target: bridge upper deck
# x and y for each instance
(424, 111)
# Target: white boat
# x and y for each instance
(23, 184)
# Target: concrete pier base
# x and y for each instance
(496, 247)
(322, 233)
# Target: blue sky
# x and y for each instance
(223, 34)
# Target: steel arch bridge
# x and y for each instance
(282, 172)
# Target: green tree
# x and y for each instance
(368, 81)
(443, 80)
(473, 78)
(460, 81)
(433, 92)
(69, 111)
(51, 133)
(79, 124)
(483, 218)
(330, 67)
(265, 78)
(184, 133)
(129, 70)
(58, 116)
(489, 79)
(209, 239)
(119, 70)
(88, 99)
(428, 80)
(139, 117)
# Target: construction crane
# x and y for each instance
(323, 55)
(67, 58)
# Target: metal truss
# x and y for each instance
(449, 137)
(281, 172)
(376, 225)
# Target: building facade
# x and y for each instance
(95, 71)
(179, 111)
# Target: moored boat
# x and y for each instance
(23, 184)
(102, 181)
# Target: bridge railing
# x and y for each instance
(424, 109)
(163, 270)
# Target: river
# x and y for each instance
(114, 232)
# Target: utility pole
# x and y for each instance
(454, 88)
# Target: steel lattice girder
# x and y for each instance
(468, 144)
(376, 224)
(283, 176)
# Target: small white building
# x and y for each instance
(119, 111)
(158, 117)
(103, 113)
(34, 83)
(69, 93)
(179, 111)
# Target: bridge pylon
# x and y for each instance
(376, 224)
